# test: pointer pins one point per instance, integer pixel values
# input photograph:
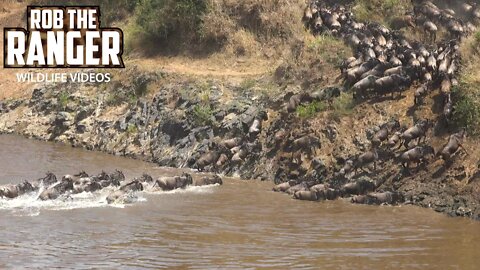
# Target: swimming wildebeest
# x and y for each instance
(378, 198)
(175, 182)
(125, 193)
(54, 191)
(12, 191)
(208, 180)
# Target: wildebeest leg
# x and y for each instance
(464, 150)
(400, 144)
(406, 143)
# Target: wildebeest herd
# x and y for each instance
(120, 189)
(386, 62)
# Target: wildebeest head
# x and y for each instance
(117, 176)
(49, 179)
(81, 174)
(25, 186)
(263, 115)
(188, 178)
(146, 178)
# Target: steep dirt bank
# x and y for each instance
(236, 121)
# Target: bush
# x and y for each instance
(131, 130)
(342, 106)
(311, 109)
(329, 48)
(466, 111)
(111, 10)
(161, 18)
(380, 10)
(203, 115)
(62, 100)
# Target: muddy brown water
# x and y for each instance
(240, 225)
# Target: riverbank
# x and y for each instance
(164, 129)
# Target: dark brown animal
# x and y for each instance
(417, 155)
(454, 143)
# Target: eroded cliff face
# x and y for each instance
(240, 131)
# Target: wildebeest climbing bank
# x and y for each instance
(366, 109)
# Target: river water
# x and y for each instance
(240, 225)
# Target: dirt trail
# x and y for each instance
(207, 67)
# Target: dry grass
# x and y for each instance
(248, 27)
(380, 10)
(467, 94)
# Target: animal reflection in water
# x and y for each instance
(121, 190)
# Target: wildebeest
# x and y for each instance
(391, 84)
(54, 191)
(366, 159)
(207, 159)
(431, 29)
(12, 191)
(398, 23)
(378, 198)
(125, 193)
(385, 130)
(230, 143)
(256, 127)
(306, 144)
(447, 108)
(394, 139)
(357, 188)
(418, 131)
(208, 180)
(347, 168)
(306, 195)
(454, 143)
(364, 84)
(353, 74)
(446, 86)
(417, 155)
(175, 182)
(283, 187)
(296, 100)
(420, 93)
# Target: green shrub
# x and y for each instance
(342, 106)
(203, 115)
(111, 10)
(62, 100)
(161, 18)
(132, 130)
(466, 111)
(311, 109)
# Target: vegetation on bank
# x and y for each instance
(467, 94)
(381, 10)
